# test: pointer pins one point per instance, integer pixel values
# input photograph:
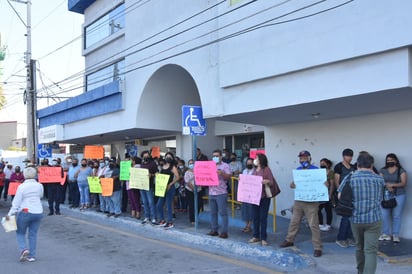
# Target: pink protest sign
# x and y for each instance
(252, 153)
(206, 173)
(250, 189)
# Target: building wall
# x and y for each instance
(8, 132)
(378, 134)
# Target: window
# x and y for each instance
(108, 24)
(106, 75)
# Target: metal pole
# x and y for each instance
(29, 89)
(195, 194)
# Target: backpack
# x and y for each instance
(344, 206)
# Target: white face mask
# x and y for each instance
(256, 162)
(216, 159)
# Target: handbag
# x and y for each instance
(273, 189)
(389, 200)
(9, 225)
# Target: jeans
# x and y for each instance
(148, 203)
(169, 196)
(6, 188)
(115, 201)
(345, 231)
(104, 203)
(84, 193)
(260, 219)
(74, 193)
(30, 222)
(396, 213)
(366, 237)
(218, 203)
(191, 203)
(54, 192)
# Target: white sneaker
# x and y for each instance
(396, 239)
(321, 227)
(325, 228)
(384, 237)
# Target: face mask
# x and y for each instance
(249, 166)
(101, 164)
(106, 162)
(54, 163)
(84, 165)
(191, 166)
(224, 155)
(146, 159)
(17, 170)
(74, 164)
(323, 166)
(181, 167)
(256, 162)
(216, 159)
(69, 160)
(111, 166)
(304, 164)
(169, 160)
(233, 159)
(390, 164)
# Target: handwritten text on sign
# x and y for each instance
(139, 178)
(13, 188)
(310, 185)
(50, 174)
(107, 186)
(125, 170)
(94, 184)
(206, 173)
(161, 184)
(250, 189)
(93, 152)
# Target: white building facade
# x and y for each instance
(308, 75)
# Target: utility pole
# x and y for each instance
(30, 93)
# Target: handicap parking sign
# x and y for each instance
(44, 151)
(192, 121)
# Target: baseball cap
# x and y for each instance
(347, 152)
(304, 153)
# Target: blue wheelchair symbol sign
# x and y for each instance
(192, 121)
(44, 151)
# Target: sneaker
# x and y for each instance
(23, 256)
(253, 240)
(162, 223)
(169, 225)
(342, 243)
(384, 237)
(31, 259)
(154, 222)
(321, 227)
(145, 220)
(351, 242)
(396, 239)
(325, 228)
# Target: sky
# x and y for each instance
(53, 26)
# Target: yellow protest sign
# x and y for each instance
(139, 178)
(107, 186)
(94, 184)
(161, 184)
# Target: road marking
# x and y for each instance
(182, 248)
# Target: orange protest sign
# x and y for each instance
(48, 174)
(13, 188)
(93, 152)
(63, 179)
(155, 152)
(107, 186)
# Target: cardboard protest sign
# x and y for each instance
(94, 184)
(249, 189)
(48, 174)
(139, 178)
(161, 184)
(155, 152)
(310, 185)
(125, 170)
(253, 152)
(13, 188)
(206, 173)
(93, 152)
(107, 186)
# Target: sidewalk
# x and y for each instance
(299, 258)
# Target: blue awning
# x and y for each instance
(79, 6)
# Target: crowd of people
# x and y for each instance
(179, 196)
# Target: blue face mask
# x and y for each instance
(216, 159)
(191, 166)
(304, 164)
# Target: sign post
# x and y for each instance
(193, 124)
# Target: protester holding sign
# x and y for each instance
(218, 197)
(303, 208)
(189, 180)
(169, 168)
(247, 208)
(29, 210)
(54, 192)
(148, 195)
(114, 200)
(134, 194)
(260, 212)
(81, 176)
(17, 177)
